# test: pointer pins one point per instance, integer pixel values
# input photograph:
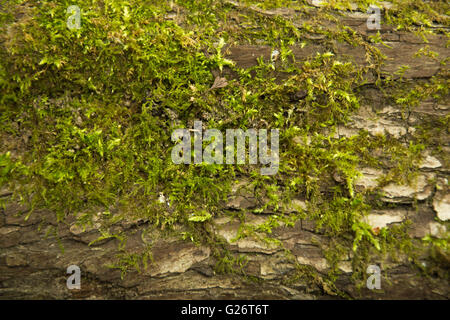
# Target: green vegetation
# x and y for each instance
(87, 116)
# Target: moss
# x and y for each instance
(100, 103)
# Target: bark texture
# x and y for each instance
(33, 260)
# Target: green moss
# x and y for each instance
(100, 103)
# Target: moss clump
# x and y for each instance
(90, 112)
